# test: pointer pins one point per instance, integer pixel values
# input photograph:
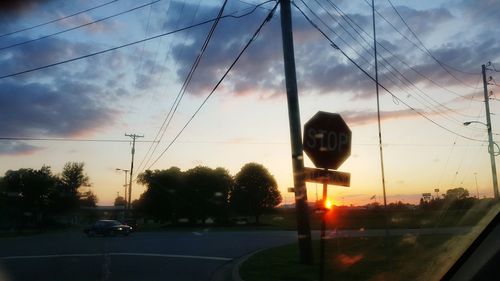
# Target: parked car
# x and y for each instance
(132, 223)
(108, 228)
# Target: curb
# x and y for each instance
(235, 274)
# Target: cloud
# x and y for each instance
(320, 68)
(358, 118)
(16, 148)
(20, 6)
(37, 109)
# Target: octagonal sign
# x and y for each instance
(327, 140)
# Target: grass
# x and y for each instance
(398, 258)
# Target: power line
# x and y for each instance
(256, 33)
(76, 27)
(124, 45)
(346, 16)
(65, 139)
(168, 118)
(56, 20)
(424, 50)
(430, 106)
(182, 91)
(382, 86)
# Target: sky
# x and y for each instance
(433, 73)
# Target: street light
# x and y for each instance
(492, 153)
(125, 185)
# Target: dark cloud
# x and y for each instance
(320, 68)
(485, 11)
(414, 18)
(15, 148)
(37, 109)
(20, 6)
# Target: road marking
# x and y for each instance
(118, 254)
(50, 256)
(172, 256)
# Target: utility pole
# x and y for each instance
(133, 136)
(125, 184)
(477, 188)
(303, 226)
(491, 149)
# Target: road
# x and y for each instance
(172, 255)
(141, 256)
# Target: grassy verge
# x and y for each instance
(397, 258)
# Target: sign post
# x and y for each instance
(327, 142)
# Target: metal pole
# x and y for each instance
(134, 137)
(477, 189)
(323, 232)
(125, 186)
(303, 226)
(490, 135)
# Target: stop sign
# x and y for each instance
(327, 140)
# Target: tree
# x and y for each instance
(459, 193)
(88, 199)
(161, 195)
(206, 193)
(120, 201)
(255, 191)
(70, 180)
(196, 194)
(26, 192)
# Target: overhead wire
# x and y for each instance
(182, 91)
(122, 46)
(335, 46)
(254, 36)
(168, 117)
(430, 105)
(419, 47)
(444, 65)
(345, 16)
(76, 27)
(162, 130)
(64, 139)
(56, 20)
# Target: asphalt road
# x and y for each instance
(140, 256)
(174, 255)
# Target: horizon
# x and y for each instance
(131, 90)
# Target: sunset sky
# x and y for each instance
(435, 80)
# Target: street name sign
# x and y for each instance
(327, 176)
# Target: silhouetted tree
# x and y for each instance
(205, 193)
(66, 197)
(255, 191)
(161, 195)
(88, 199)
(457, 193)
(196, 194)
(120, 201)
(26, 191)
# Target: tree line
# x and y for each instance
(37, 196)
(201, 193)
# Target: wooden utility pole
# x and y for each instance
(303, 226)
(133, 136)
(491, 148)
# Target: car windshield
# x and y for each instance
(263, 140)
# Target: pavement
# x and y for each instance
(170, 255)
(175, 255)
